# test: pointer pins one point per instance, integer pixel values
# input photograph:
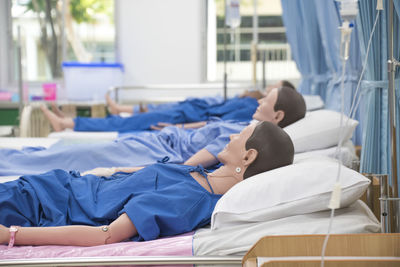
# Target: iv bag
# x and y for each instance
(348, 9)
(232, 13)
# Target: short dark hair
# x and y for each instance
(292, 103)
(274, 146)
(286, 83)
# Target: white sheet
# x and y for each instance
(20, 142)
(236, 240)
(68, 134)
(4, 179)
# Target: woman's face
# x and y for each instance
(266, 108)
(234, 150)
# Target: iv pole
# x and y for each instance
(392, 63)
(254, 44)
(225, 73)
(20, 78)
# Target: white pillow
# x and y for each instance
(313, 102)
(347, 154)
(319, 129)
(299, 188)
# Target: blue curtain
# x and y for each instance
(312, 30)
(375, 157)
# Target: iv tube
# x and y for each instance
(348, 13)
(345, 30)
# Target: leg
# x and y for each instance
(56, 110)
(56, 122)
(112, 105)
(115, 108)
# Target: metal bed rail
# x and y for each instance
(161, 93)
(125, 260)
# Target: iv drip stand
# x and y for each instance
(392, 63)
(225, 73)
(20, 78)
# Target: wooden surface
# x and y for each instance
(333, 263)
(69, 110)
(370, 245)
(98, 111)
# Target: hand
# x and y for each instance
(101, 171)
(4, 235)
(160, 126)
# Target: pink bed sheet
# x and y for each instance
(180, 245)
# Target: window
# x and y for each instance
(53, 31)
(236, 51)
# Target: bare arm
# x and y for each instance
(110, 171)
(193, 125)
(203, 157)
(128, 169)
(74, 235)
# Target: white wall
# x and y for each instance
(4, 44)
(161, 41)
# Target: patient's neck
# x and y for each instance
(221, 180)
(224, 178)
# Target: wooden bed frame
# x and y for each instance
(342, 250)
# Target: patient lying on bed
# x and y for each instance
(116, 109)
(191, 110)
(281, 106)
(160, 200)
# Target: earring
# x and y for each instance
(238, 169)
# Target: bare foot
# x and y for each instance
(56, 110)
(112, 106)
(143, 107)
(56, 122)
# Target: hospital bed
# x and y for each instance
(314, 136)
(179, 92)
(34, 124)
(224, 244)
(232, 231)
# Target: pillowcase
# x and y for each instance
(313, 102)
(347, 154)
(299, 188)
(319, 129)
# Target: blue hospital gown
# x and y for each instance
(160, 200)
(211, 100)
(193, 110)
(132, 150)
